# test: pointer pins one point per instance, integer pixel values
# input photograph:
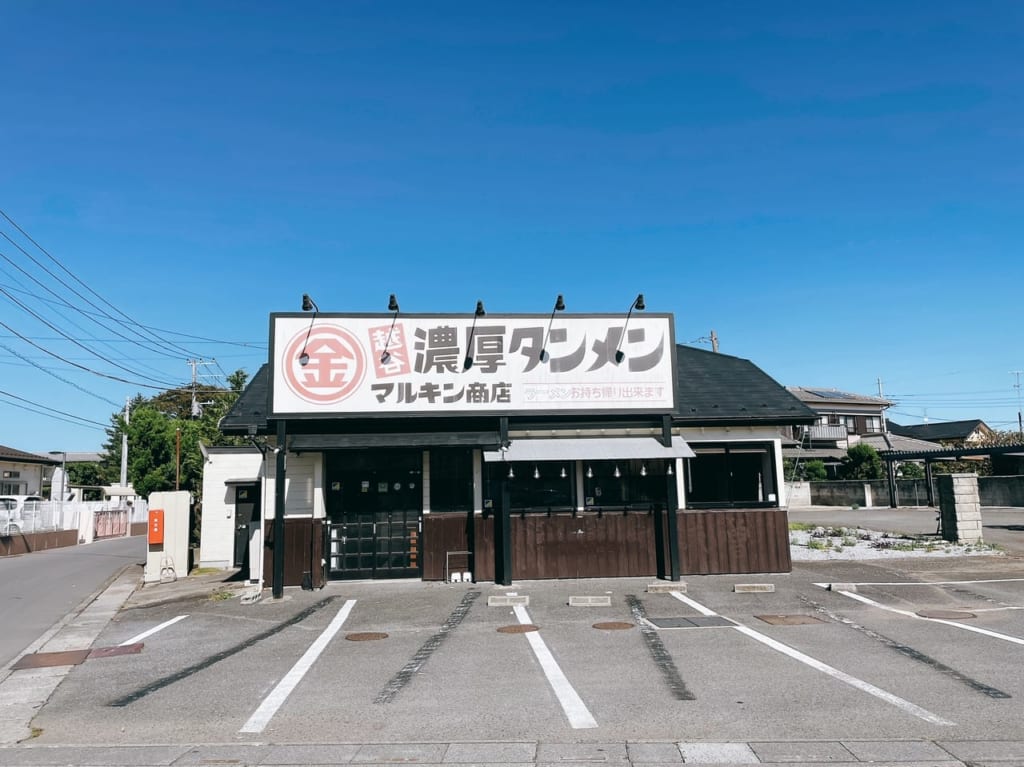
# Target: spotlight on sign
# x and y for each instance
(559, 307)
(308, 304)
(639, 305)
(385, 356)
(468, 362)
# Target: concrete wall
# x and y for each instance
(993, 491)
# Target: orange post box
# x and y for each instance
(156, 526)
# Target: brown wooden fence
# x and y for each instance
(303, 551)
(614, 544)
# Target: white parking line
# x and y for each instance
(842, 676)
(572, 704)
(152, 631)
(261, 718)
(964, 626)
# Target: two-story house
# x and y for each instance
(844, 419)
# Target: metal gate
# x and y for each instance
(375, 545)
(374, 509)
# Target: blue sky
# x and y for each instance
(834, 188)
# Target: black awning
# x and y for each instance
(305, 443)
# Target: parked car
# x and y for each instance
(12, 512)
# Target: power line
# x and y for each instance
(81, 367)
(69, 338)
(59, 378)
(50, 409)
(26, 235)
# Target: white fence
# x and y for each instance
(91, 519)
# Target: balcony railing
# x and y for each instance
(829, 433)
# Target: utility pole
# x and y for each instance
(1020, 421)
(197, 407)
(124, 443)
(885, 426)
(714, 341)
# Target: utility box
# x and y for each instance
(167, 557)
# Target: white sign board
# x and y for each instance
(330, 364)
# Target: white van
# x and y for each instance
(12, 512)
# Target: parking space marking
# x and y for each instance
(403, 677)
(842, 676)
(161, 627)
(261, 718)
(572, 704)
(911, 653)
(964, 626)
(216, 658)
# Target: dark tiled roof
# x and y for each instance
(251, 407)
(20, 456)
(935, 432)
(718, 389)
(712, 389)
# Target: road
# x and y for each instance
(37, 590)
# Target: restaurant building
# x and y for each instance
(495, 447)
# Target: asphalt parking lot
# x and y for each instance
(926, 649)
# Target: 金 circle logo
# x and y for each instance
(335, 367)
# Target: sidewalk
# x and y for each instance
(836, 753)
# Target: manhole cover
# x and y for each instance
(518, 628)
(949, 615)
(47, 659)
(788, 620)
(613, 626)
(365, 636)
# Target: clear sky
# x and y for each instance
(834, 188)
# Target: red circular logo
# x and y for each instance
(326, 367)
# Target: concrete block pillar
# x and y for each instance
(960, 508)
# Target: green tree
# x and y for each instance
(911, 470)
(861, 462)
(815, 471)
(164, 435)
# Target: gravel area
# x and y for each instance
(821, 543)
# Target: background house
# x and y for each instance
(843, 420)
(949, 433)
(22, 473)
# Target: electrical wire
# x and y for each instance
(59, 378)
(26, 235)
(50, 409)
(82, 367)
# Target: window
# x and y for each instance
(543, 486)
(633, 484)
(451, 480)
(731, 476)
(874, 423)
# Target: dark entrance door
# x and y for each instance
(374, 501)
(247, 515)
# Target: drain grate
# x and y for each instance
(949, 615)
(613, 626)
(365, 636)
(518, 628)
(696, 622)
(788, 620)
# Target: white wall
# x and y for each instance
(304, 485)
(217, 530)
(169, 560)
